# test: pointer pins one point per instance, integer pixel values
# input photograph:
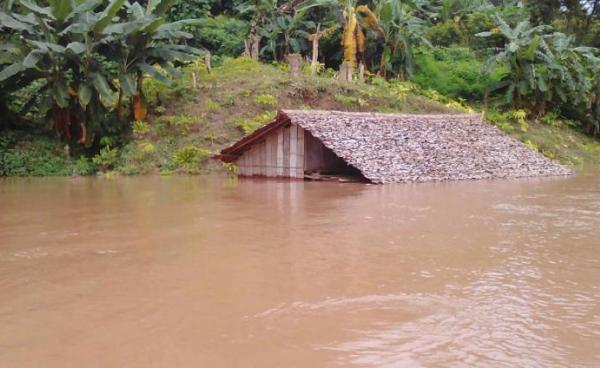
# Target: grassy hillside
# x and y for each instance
(187, 122)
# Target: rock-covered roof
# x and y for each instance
(389, 148)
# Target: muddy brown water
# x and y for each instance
(216, 272)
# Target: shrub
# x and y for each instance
(266, 100)
(188, 158)
(168, 124)
(212, 105)
(445, 34)
(346, 100)
(83, 166)
(455, 72)
(248, 125)
(107, 158)
(26, 155)
(140, 128)
(138, 158)
(221, 35)
(553, 120)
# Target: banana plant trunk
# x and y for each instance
(138, 105)
(252, 43)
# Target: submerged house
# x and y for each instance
(384, 148)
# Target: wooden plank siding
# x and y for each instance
(279, 154)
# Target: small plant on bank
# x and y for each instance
(140, 128)
(159, 110)
(519, 116)
(175, 123)
(83, 166)
(212, 105)
(107, 158)
(266, 100)
(346, 100)
(248, 125)
(138, 158)
(188, 158)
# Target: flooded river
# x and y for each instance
(215, 272)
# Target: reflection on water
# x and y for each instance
(156, 272)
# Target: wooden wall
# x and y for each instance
(281, 154)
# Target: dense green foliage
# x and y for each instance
(88, 70)
(85, 57)
(455, 72)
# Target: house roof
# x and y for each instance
(390, 148)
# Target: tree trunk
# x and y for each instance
(295, 63)
(207, 61)
(119, 104)
(252, 43)
(382, 72)
(315, 55)
(345, 72)
(361, 72)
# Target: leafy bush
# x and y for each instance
(174, 124)
(83, 166)
(212, 105)
(508, 121)
(553, 120)
(266, 100)
(140, 128)
(346, 100)
(138, 158)
(455, 72)
(221, 35)
(445, 34)
(28, 155)
(188, 158)
(248, 125)
(107, 158)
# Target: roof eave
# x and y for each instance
(231, 153)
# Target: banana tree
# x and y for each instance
(353, 37)
(541, 67)
(259, 12)
(71, 45)
(144, 39)
(285, 33)
(394, 22)
(282, 29)
(526, 59)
